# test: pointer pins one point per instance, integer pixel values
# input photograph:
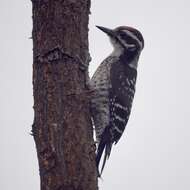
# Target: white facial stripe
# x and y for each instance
(134, 37)
(118, 50)
(125, 44)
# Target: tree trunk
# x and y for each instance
(62, 126)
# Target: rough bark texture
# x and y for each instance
(62, 126)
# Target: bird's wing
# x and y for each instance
(121, 95)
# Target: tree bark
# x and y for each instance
(62, 126)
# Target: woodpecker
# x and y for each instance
(113, 84)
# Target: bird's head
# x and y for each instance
(125, 38)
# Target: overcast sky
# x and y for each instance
(154, 152)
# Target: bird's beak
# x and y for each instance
(107, 31)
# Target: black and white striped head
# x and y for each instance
(125, 37)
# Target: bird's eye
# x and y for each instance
(122, 34)
(126, 38)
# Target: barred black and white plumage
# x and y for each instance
(114, 88)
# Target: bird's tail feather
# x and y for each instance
(106, 155)
(105, 146)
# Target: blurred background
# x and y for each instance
(153, 153)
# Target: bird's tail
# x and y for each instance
(105, 146)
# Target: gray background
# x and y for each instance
(154, 152)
